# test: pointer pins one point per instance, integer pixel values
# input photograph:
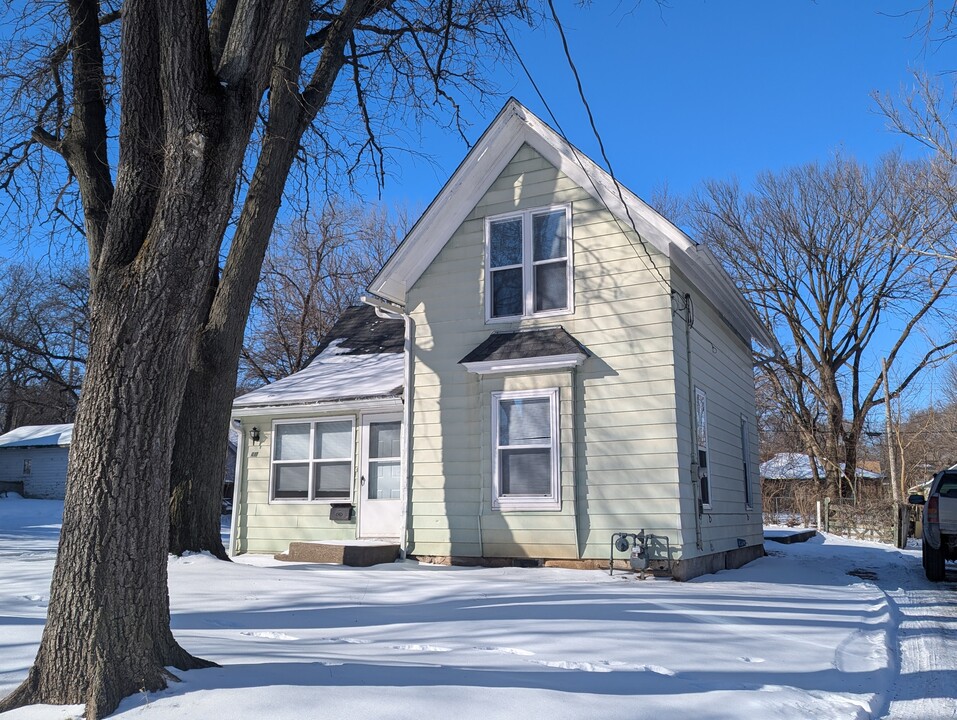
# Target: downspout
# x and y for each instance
(695, 481)
(576, 430)
(388, 311)
(237, 477)
(486, 452)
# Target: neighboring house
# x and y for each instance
(787, 477)
(33, 460)
(574, 366)
(327, 437)
(797, 466)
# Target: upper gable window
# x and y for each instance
(529, 272)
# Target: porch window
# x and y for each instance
(525, 465)
(527, 256)
(312, 460)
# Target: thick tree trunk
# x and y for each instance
(107, 634)
(849, 476)
(109, 588)
(198, 455)
(198, 464)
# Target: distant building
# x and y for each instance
(33, 460)
(797, 466)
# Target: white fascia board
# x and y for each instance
(514, 126)
(706, 274)
(750, 317)
(533, 364)
(705, 283)
(304, 409)
(480, 168)
(633, 212)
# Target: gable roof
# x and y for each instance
(359, 331)
(514, 126)
(38, 436)
(361, 357)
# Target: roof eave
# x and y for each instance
(531, 364)
(514, 126)
(298, 408)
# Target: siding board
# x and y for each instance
(623, 455)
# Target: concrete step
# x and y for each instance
(354, 553)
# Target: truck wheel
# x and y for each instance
(933, 563)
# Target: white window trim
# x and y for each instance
(311, 499)
(552, 501)
(699, 393)
(746, 459)
(528, 265)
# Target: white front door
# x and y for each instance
(380, 482)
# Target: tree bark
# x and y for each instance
(199, 452)
(109, 588)
(182, 142)
(161, 352)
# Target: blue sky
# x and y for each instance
(703, 89)
(688, 90)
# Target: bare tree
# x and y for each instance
(926, 442)
(950, 384)
(315, 268)
(843, 264)
(160, 113)
(42, 343)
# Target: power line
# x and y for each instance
(601, 145)
(554, 119)
(646, 259)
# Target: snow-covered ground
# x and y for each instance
(826, 629)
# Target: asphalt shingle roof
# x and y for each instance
(523, 344)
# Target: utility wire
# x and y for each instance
(601, 145)
(648, 257)
(686, 303)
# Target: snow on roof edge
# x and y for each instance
(38, 436)
(336, 378)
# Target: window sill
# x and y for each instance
(307, 501)
(527, 505)
(535, 316)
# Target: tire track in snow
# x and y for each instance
(926, 648)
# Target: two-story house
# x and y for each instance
(572, 366)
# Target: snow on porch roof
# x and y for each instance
(38, 436)
(331, 377)
(361, 357)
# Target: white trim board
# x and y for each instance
(307, 409)
(514, 126)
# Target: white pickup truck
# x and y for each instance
(940, 523)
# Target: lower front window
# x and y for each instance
(313, 460)
(525, 466)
